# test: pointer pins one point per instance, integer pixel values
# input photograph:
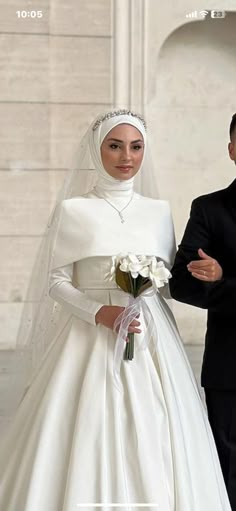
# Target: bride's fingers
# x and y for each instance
(133, 326)
(135, 322)
(134, 330)
(131, 330)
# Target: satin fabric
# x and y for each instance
(88, 228)
(78, 440)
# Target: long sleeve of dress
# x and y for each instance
(215, 296)
(75, 301)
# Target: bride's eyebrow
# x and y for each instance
(122, 141)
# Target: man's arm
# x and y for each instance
(219, 295)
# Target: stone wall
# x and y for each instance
(55, 77)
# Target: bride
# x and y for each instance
(94, 430)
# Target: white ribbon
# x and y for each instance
(134, 307)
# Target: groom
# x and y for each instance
(204, 275)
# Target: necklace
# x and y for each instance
(119, 211)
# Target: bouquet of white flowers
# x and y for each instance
(134, 274)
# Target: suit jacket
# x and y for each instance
(212, 227)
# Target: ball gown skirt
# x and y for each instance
(78, 440)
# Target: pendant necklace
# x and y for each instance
(119, 211)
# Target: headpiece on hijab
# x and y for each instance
(115, 113)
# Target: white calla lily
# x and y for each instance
(133, 258)
(144, 272)
(146, 266)
(124, 266)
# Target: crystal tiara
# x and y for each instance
(115, 113)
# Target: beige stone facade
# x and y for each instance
(55, 77)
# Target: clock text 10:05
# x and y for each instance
(29, 14)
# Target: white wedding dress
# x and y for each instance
(77, 439)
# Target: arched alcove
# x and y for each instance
(190, 111)
(192, 101)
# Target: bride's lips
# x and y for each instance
(124, 168)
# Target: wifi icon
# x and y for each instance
(203, 14)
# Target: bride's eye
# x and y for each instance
(137, 147)
(113, 146)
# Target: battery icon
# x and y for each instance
(218, 14)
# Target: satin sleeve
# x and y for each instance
(71, 298)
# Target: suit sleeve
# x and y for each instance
(215, 296)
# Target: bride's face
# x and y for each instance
(122, 151)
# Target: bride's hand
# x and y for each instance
(107, 315)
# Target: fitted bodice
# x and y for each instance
(90, 273)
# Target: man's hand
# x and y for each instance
(207, 269)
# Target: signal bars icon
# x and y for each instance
(192, 15)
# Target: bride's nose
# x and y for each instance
(126, 154)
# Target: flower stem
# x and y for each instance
(129, 349)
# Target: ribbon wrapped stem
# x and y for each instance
(134, 307)
(129, 349)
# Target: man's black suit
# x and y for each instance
(212, 227)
